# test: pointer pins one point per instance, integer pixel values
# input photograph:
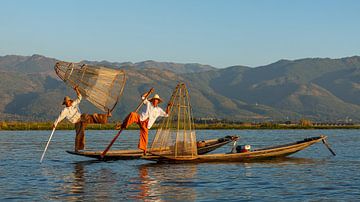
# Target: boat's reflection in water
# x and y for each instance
(120, 180)
(91, 180)
(81, 181)
(167, 182)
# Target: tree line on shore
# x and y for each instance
(214, 125)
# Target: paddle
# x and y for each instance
(328, 146)
(118, 134)
(47, 144)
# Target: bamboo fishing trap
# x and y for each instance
(176, 138)
(101, 86)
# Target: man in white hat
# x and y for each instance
(146, 119)
(73, 114)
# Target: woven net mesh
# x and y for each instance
(101, 86)
(176, 138)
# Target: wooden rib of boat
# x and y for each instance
(257, 154)
(204, 147)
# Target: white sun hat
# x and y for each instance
(156, 96)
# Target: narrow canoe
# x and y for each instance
(204, 147)
(256, 154)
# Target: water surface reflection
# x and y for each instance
(312, 174)
(151, 181)
(167, 182)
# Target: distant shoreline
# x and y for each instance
(9, 126)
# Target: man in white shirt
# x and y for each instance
(146, 119)
(72, 113)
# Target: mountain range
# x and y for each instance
(319, 89)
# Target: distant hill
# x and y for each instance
(174, 67)
(320, 89)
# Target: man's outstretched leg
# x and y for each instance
(133, 117)
(100, 118)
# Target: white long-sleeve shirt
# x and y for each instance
(71, 113)
(151, 113)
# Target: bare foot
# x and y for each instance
(109, 113)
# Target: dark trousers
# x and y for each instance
(81, 125)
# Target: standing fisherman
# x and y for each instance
(73, 114)
(146, 119)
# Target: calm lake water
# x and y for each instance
(310, 175)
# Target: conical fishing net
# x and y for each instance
(176, 138)
(101, 86)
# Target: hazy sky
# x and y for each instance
(219, 33)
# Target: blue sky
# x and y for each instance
(220, 33)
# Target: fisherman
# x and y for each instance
(73, 114)
(146, 119)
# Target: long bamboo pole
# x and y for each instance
(118, 134)
(47, 144)
(328, 146)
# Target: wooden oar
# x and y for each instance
(118, 134)
(328, 146)
(47, 144)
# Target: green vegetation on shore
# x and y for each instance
(48, 126)
(212, 126)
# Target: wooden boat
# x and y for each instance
(256, 154)
(204, 147)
